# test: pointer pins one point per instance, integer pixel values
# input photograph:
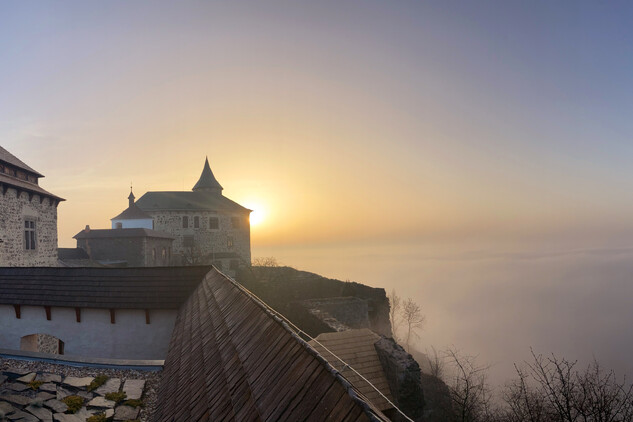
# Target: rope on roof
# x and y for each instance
(300, 331)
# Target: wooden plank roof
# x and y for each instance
(114, 288)
(231, 359)
(356, 348)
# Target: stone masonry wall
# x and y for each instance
(207, 241)
(14, 209)
(136, 251)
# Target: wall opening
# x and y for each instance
(44, 343)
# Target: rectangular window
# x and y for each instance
(196, 222)
(214, 223)
(229, 242)
(235, 222)
(185, 222)
(29, 234)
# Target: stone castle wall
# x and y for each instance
(206, 241)
(136, 251)
(15, 208)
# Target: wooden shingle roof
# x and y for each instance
(187, 201)
(7, 157)
(231, 359)
(114, 288)
(356, 348)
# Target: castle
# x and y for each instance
(195, 227)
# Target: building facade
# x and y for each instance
(28, 216)
(129, 247)
(207, 227)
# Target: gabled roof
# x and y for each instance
(117, 233)
(207, 180)
(232, 359)
(113, 288)
(356, 348)
(187, 201)
(133, 212)
(9, 158)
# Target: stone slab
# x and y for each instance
(62, 392)
(17, 386)
(43, 396)
(6, 407)
(125, 413)
(49, 378)
(84, 394)
(27, 378)
(56, 405)
(21, 416)
(3, 378)
(84, 413)
(112, 385)
(15, 372)
(133, 389)
(101, 402)
(13, 398)
(41, 413)
(49, 387)
(61, 417)
(78, 382)
(109, 413)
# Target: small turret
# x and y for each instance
(131, 197)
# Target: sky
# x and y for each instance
(391, 143)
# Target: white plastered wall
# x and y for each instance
(95, 336)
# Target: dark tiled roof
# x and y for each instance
(187, 201)
(132, 213)
(231, 359)
(356, 348)
(207, 179)
(116, 233)
(72, 253)
(26, 186)
(9, 158)
(118, 288)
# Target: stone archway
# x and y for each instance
(44, 343)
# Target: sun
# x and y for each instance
(258, 215)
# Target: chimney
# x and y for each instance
(87, 229)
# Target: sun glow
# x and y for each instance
(258, 215)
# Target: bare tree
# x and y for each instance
(394, 312)
(267, 261)
(552, 390)
(468, 388)
(436, 363)
(412, 319)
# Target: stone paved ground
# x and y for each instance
(33, 391)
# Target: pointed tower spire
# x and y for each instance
(131, 197)
(207, 182)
